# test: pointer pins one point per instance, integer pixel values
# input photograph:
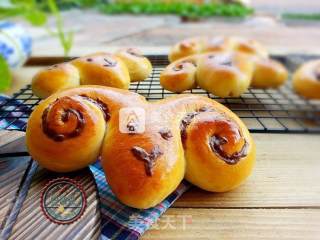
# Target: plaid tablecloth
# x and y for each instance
(117, 220)
(13, 114)
(122, 222)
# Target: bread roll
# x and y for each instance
(306, 80)
(253, 67)
(139, 67)
(186, 48)
(186, 136)
(224, 75)
(200, 45)
(268, 73)
(249, 46)
(180, 75)
(103, 69)
(55, 78)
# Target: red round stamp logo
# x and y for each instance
(63, 201)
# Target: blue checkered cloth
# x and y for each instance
(123, 222)
(13, 114)
(117, 220)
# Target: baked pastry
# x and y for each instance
(199, 45)
(55, 78)
(268, 73)
(103, 69)
(187, 47)
(223, 74)
(249, 46)
(185, 136)
(306, 80)
(180, 75)
(139, 66)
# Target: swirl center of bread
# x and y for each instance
(61, 121)
(217, 142)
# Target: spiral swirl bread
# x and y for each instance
(222, 66)
(186, 136)
(306, 80)
(113, 70)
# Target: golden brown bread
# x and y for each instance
(224, 74)
(102, 69)
(139, 67)
(232, 80)
(306, 80)
(199, 45)
(180, 75)
(55, 78)
(105, 69)
(185, 136)
(187, 47)
(268, 73)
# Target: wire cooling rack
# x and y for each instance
(262, 110)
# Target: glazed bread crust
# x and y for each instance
(306, 80)
(268, 73)
(139, 67)
(187, 47)
(200, 45)
(223, 74)
(186, 136)
(180, 75)
(228, 81)
(55, 78)
(104, 69)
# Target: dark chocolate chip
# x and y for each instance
(134, 53)
(226, 62)
(178, 67)
(149, 159)
(216, 142)
(109, 63)
(103, 107)
(317, 74)
(165, 134)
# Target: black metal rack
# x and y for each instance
(262, 110)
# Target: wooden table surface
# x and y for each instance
(280, 200)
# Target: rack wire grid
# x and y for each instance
(262, 110)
